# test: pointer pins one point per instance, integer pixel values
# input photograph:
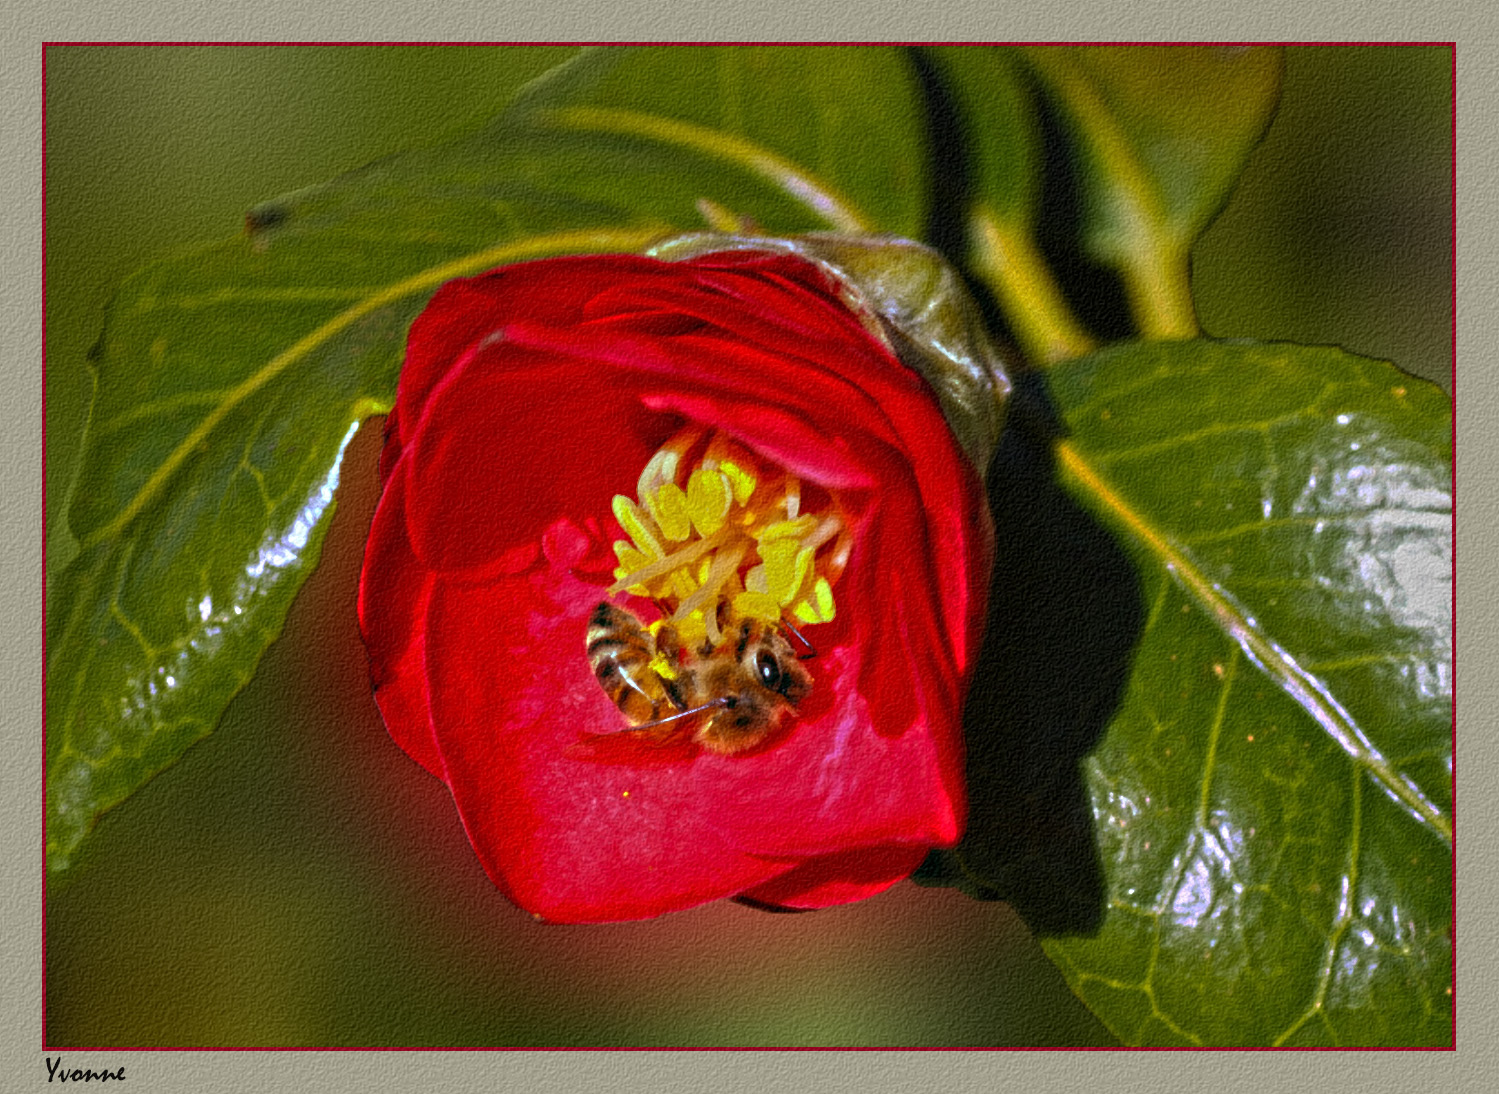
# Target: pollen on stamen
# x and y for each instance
(702, 534)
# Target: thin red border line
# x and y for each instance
(44, 547)
(852, 44)
(753, 1048)
(1452, 927)
(730, 1048)
(1452, 46)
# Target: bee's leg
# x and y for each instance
(669, 642)
(662, 607)
(725, 701)
(807, 651)
(673, 689)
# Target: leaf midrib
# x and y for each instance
(425, 280)
(801, 185)
(1303, 688)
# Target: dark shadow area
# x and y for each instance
(950, 158)
(1065, 615)
(1093, 291)
(950, 195)
(1064, 604)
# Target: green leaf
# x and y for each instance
(1271, 801)
(1162, 134)
(1002, 139)
(231, 379)
(833, 130)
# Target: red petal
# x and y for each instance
(506, 444)
(573, 839)
(840, 879)
(531, 396)
(394, 591)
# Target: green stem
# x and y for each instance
(1008, 261)
(1160, 293)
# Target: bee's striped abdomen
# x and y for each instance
(620, 651)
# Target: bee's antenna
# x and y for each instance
(811, 650)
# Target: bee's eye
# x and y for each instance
(768, 669)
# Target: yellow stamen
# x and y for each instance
(662, 467)
(629, 558)
(631, 519)
(723, 454)
(741, 480)
(724, 564)
(820, 608)
(694, 631)
(758, 606)
(825, 531)
(708, 498)
(785, 529)
(669, 508)
(681, 585)
(702, 536)
(662, 566)
(786, 566)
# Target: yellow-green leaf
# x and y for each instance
(1161, 134)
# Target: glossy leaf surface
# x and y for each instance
(230, 380)
(1272, 798)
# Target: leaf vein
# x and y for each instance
(803, 186)
(159, 408)
(1213, 432)
(1215, 731)
(1302, 687)
(425, 280)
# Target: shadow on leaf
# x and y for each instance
(1064, 617)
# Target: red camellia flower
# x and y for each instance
(676, 581)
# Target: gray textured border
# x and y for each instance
(21, 1061)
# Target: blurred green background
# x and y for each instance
(296, 880)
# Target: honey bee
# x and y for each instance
(731, 695)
